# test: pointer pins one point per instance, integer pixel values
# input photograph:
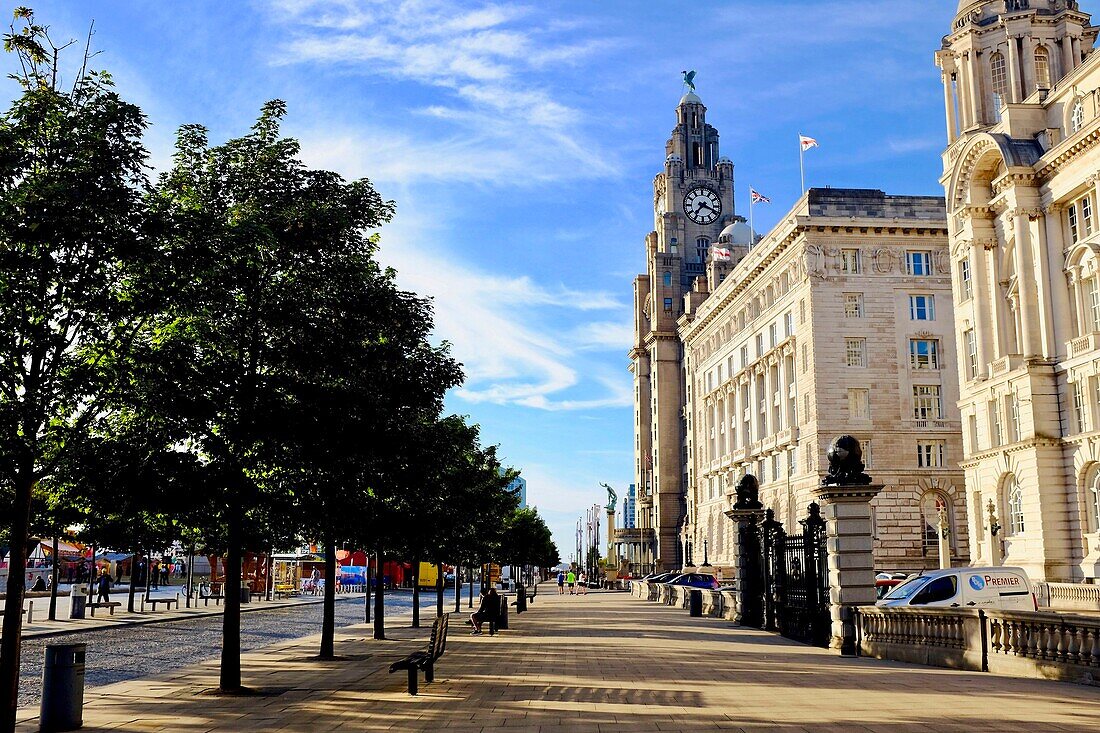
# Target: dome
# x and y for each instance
(690, 98)
(674, 158)
(736, 233)
(725, 159)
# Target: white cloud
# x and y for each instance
(491, 74)
(604, 336)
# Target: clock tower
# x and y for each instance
(693, 208)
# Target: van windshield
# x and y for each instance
(906, 590)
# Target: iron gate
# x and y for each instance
(794, 570)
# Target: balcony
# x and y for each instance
(1006, 364)
(1084, 344)
(935, 424)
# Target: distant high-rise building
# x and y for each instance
(629, 508)
(519, 487)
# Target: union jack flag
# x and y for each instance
(759, 198)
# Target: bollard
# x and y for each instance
(695, 602)
(245, 595)
(502, 619)
(521, 599)
(77, 599)
(62, 688)
(30, 612)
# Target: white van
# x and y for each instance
(1002, 588)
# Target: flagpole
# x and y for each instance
(752, 229)
(802, 162)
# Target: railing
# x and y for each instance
(1083, 344)
(1022, 643)
(1068, 596)
(1005, 364)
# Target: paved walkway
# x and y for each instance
(600, 663)
(41, 626)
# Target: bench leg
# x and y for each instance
(112, 610)
(412, 680)
(429, 672)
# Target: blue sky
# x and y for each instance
(520, 141)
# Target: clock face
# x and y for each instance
(702, 205)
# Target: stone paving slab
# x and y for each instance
(601, 663)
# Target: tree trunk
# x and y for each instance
(438, 589)
(91, 571)
(191, 576)
(12, 638)
(458, 587)
(53, 585)
(269, 584)
(416, 593)
(379, 601)
(230, 677)
(328, 615)
(470, 603)
(366, 596)
(133, 580)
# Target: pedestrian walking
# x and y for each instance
(314, 581)
(103, 585)
(561, 582)
(582, 586)
(164, 575)
(154, 575)
(571, 580)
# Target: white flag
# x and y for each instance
(807, 142)
(721, 254)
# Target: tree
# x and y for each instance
(253, 241)
(71, 185)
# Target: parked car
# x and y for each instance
(885, 582)
(696, 580)
(660, 577)
(1004, 588)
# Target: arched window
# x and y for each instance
(1077, 117)
(1093, 497)
(1000, 82)
(1014, 500)
(702, 244)
(1042, 66)
(668, 279)
(930, 505)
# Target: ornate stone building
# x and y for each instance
(837, 322)
(753, 357)
(1020, 174)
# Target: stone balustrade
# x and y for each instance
(1020, 643)
(1068, 596)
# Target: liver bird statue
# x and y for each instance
(689, 79)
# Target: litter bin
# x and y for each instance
(695, 602)
(77, 599)
(62, 688)
(502, 619)
(246, 597)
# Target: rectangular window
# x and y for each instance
(775, 467)
(668, 304)
(966, 285)
(859, 404)
(1094, 302)
(773, 335)
(744, 356)
(918, 263)
(802, 311)
(927, 402)
(1086, 214)
(853, 305)
(759, 345)
(805, 361)
(971, 343)
(930, 454)
(1074, 232)
(996, 431)
(868, 453)
(924, 353)
(850, 261)
(856, 352)
(788, 324)
(792, 461)
(972, 430)
(1080, 421)
(1013, 418)
(922, 308)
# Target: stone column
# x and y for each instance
(979, 281)
(943, 525)
(1067, 55)
(995, 529)
(1029, 311)
(1014, 80)
(845, 497)
(746, 513)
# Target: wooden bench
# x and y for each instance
(425, 660)
(257, 595)
(112, 605)
(154, 601)
(286, 590)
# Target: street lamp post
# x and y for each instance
(706, 561)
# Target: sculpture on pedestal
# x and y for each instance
(845, 464)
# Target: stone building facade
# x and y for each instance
(753, 357)
(837, 322)
(1020, 175)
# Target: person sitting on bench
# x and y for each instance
(487, 610)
